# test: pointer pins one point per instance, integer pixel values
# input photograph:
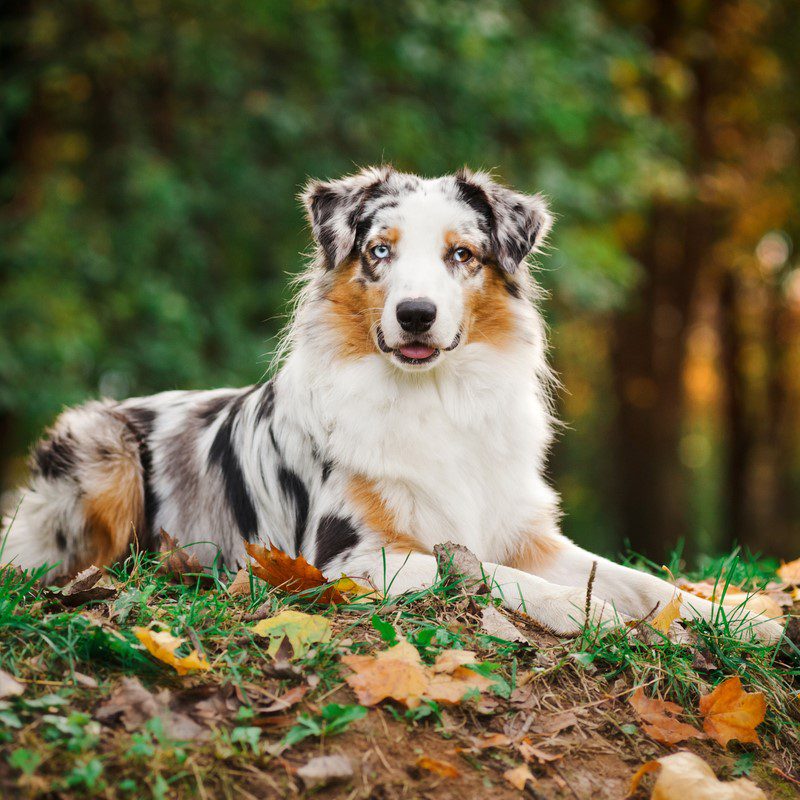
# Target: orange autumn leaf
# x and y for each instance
(399, 674)
(442, 768)
(291, 574)
(790, 573)
(519, 776)
(658, 719)
(731, 713)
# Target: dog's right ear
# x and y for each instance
(333, 209)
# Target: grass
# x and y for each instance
(70, 660)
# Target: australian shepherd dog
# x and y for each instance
(411, 407)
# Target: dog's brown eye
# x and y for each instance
(461, 255)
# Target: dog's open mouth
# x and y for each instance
(414, 352)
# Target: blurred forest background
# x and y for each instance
(151, 152)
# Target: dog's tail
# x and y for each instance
(85, 498)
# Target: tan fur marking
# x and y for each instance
(114, 510)
(533, 552)
(374, 513)
(355, 310)
(489, 315)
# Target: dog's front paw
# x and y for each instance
(564, 612)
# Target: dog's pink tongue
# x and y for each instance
(419, 351)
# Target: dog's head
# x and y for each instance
(417, 268)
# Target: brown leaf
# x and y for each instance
(498, 625)
(519, 776)
(324, 770)
(293, 575)
(288, 699)
(398, 673)
(83, 588)
(731, 713)
(9, 685)
(488, 740)
(458, 565)
(529, 751)
(658, 719)
(134, 706)
(180, 564)
(442, 768)
(240, 585)
(685, 776)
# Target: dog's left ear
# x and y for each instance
(518, 223)
(333, 209)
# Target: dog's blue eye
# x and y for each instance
(462, 255)
(381, 251)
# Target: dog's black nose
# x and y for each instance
(416, 316)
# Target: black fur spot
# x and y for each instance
(476, 199)
(223, 454)
(511, 287)
(141, 422)
(54, 458)
(334, 536)
(294, 490)
(211, 409)
(61, 540)
(266, 404)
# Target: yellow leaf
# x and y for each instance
(302, 631)
(162, 645)
(731, 713)
(348, 586)
(685, 776)
(672, 611)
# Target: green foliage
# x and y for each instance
(155, 152)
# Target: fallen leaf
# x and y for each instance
(529, 751)
(301, 630)
(293, 575)
(240, 585)
(283, 703)
(84, 588)
(685, 776)
(9, 685)
(180, 564)
(556, 723)
(398, 673)
(87, 681)
(765, 603)
(498, 625)
(658, 719)
(134, 706)
(664, 619)
(488, 740)
(458, 565)
(324, 770)
(519, 776)
(162, 645)
(731, 713)
(350, 587)
(441, 768)
(790, 573)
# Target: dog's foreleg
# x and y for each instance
(562, 609)
(637, 594)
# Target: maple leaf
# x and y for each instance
(790, 573)
(658, 719)
(180, 564)
(731, 713)
(671, 611)
(399, 674)
(293, 575)
(442, 768)
(302, 631)
(162, 645)
(684, 775)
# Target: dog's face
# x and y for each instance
(418, 268)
